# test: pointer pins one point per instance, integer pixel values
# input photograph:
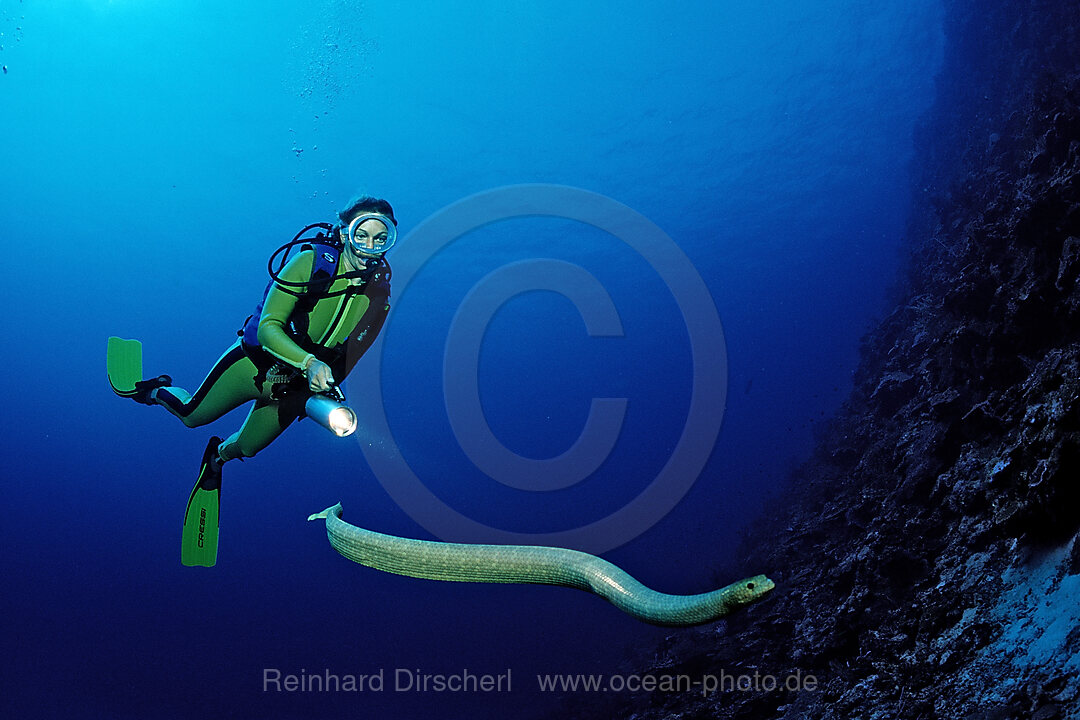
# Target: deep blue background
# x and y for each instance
(154, 153)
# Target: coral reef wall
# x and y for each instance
(926, 557)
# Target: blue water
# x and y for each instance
(155, 153)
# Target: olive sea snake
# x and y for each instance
(533, 564)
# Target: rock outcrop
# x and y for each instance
(927, 558)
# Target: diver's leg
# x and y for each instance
(262, 426)
(229, 384)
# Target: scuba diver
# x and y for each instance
(320, 313)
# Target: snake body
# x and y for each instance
(534, 564)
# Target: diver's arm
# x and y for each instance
(278, 307)
(371, 321)
(358, 345)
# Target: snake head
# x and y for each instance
(752, 589)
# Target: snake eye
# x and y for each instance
(750, 586)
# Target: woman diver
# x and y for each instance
(320, 313)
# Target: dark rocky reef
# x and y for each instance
(926, 557)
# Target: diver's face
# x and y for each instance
(370, 238)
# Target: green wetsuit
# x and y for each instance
(339, 329)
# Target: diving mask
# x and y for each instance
(367, 244)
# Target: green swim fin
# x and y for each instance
(123, 360)
(200, 542)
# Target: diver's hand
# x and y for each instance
(319, 376)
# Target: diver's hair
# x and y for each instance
(366, 203)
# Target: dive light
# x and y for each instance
(329, 410)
